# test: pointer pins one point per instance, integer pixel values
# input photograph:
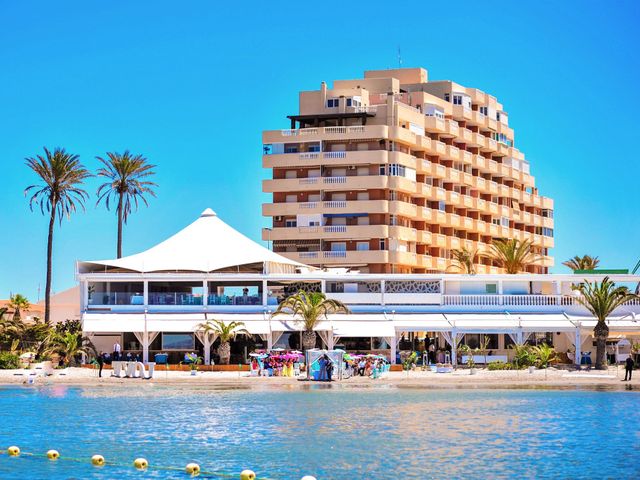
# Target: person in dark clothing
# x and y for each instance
(100, 361)
(628, 368)
(329, 368)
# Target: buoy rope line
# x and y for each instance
(191, 469)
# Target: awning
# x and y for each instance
(112, 323)
(364, 329)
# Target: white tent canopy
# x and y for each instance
(207, 245)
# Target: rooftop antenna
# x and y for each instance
(399, 58)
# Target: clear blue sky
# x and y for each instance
(192, 84)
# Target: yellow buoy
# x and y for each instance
(140, 463)
(53, 455)
(13, 451)
(247, 475)
(97, 460)
(193, 469)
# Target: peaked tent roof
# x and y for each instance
(206, 245)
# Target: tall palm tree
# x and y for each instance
(128, 184)
(513, 255)
(601, 299)
(226, 332)
(310, 307)
(464, 260)
(59, 195)
(19, 303)
(585, 262)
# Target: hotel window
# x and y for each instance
(547, 213)
(457, 99)
(333, 102)
(362, 246)
(178, 341)
(290, 223)
(447, 97)
(484, 110)
(491, 288)
(290, 149)
(504, 221)
(442, 206)
(547, 232)
(314, 147)
(338, 247)
(381, 245)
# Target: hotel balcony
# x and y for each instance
(343, 158)
(325, 133)
(341, 232)
(392, 207)
(435, 125)
(355, 182)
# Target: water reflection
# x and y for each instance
(332, 432)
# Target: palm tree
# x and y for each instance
(226, 332)
(513, 255)
(127, 185)
(60, 195)
(585, 262)
(18, 302)
(465, 260)
(311, 307)
(601, 299)
(69, 346)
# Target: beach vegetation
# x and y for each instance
(523, 355)
(128, 184)
(585, 262)
(469, 352)
(69, 347)
(499, 365)
(226, 333)
(59, 194)
(9, 360)
(309, 308)
(513, 255)
(601, 299)
(544, 354)
(19, 303)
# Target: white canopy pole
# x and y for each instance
(578, 344)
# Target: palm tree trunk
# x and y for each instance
(601, 333)
(308, 339)
(225, 353)
(119, 249)
(47, 288)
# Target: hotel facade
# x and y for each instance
(391, 172)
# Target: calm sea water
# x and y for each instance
(335, 433)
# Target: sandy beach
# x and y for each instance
(552, 378)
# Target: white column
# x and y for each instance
(330, 340)
(207, 349)
(205, 294)
(394, 348)
(270, 341)
(145, 347)
(382, 287)
(578, 343)
(519, 337)
(500, 292)
(265, 293)
(145, 292)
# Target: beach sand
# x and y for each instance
(552, 378)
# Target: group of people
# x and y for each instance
(275, 365)
(365, 366)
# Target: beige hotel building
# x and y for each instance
(390, 173)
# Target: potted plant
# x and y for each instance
(468, 351)
(194, 361)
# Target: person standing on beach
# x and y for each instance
(329, 369)
(116, 350)
(628, 368)
(100, 361)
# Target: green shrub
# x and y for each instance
(498, 365)
(9, 360)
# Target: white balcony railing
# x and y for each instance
(335, 228)
(334, 179)
(335, 204)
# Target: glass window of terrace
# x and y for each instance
(175, 293)
(278, 291)
(116, 293)
(235, 293)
